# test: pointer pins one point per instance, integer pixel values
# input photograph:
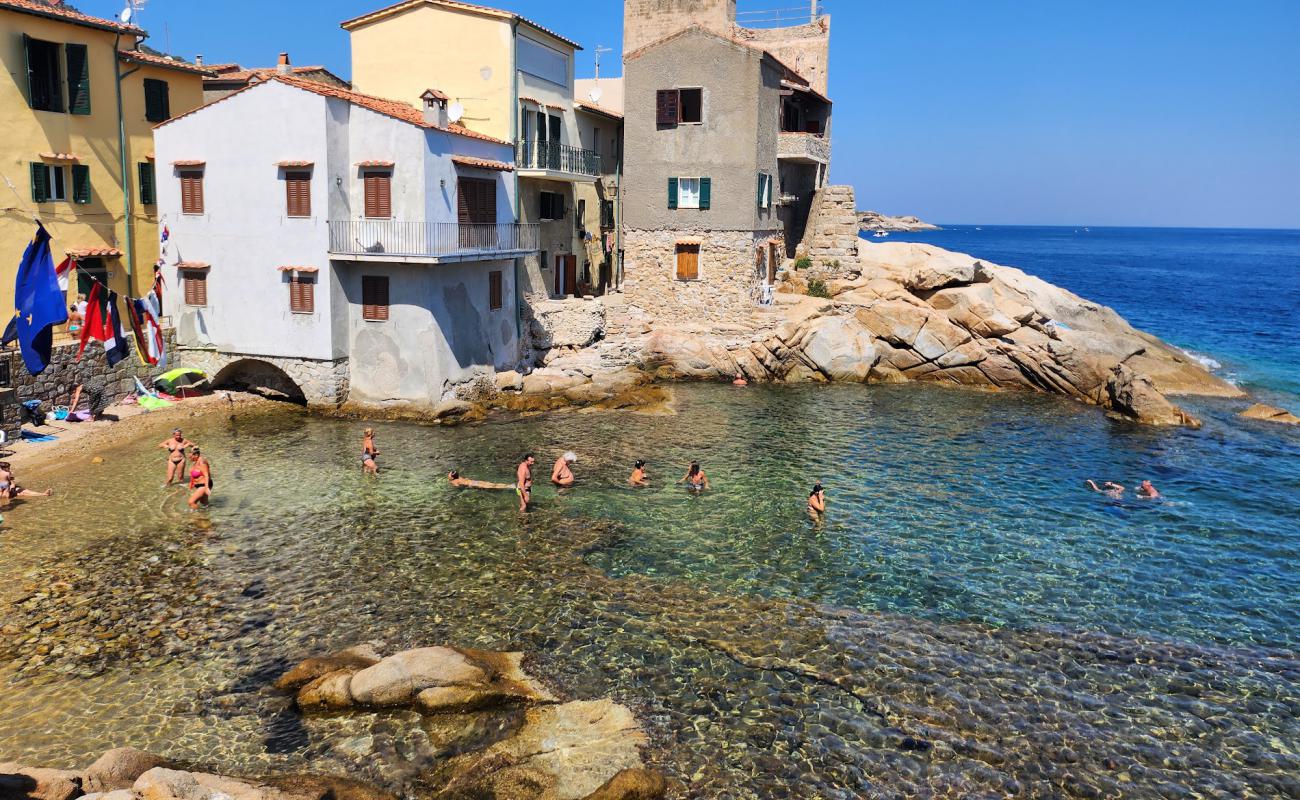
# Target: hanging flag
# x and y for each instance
(116, 348)
(64, 272)
(38, 304)
(166, 233)
(149, 342)
(94, 326)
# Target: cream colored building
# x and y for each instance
(61, 152)
(510, 78)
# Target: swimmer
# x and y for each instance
(740, 380)
(817, 500)
(176, 447)
(1108, 488)
(456, 480)
(524, 481)
(695, 479)
(639, 476)
(369, 453)
(200, 479)
(562, 472)
(1148, 491)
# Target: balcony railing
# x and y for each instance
(442, 240)
(556, 157)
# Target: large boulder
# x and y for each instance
(684, 354)
(1135, 396)
(118, 769)
(568, 323)
(975, 308)
(353, 658)
(564, 752)
(160, 783)
(1267, 413)
(35, 783)
(841, 348)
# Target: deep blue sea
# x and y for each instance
(1231, 297)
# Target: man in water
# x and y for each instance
(639, 476)
(1108, 488)
(456, 480)
(369, 453)
(524, 481)
(740, 380)
(562, 473)
(1148, 491)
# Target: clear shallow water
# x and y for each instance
(967, 622)
(1231, 295)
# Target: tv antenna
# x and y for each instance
(599, 50)
(133, 8)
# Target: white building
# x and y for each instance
(338, 245)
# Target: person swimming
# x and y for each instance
(562, 473)
(369, 453)
(817, 500)
(1108, 488)
(1147, 491)
(176, 447)
(455, 479)
(639, 476)
(695, 479)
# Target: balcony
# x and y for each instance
(430, 242)
(556, 162)
(803, 148)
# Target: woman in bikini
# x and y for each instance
(201, 482)
(369, 453)
(176, 447)
(9, 488)
(695, 479)
(817, 501)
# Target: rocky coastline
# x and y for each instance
(873, 221)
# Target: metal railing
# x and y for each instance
(396, 238)
(557, 157)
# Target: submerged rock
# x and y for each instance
(1267, 413)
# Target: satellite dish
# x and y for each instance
(455, 112)
(595, 94)
(126, 14)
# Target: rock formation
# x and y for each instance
(875, 221)
(1267, 413)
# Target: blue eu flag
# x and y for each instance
(39, 304)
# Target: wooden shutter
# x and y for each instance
(706, 192)
(672, 193)
(374, 297)
(494, 290)
(157, 100)
(148, 194)
(80, 184)
(379, 194)
(196, 288)
(40, 183)
(192, 192)
(302, 293)
(667, 105)
(78, 78)
(688, 262)
(297, 188)
(476, 201)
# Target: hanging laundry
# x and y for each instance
(38, 304)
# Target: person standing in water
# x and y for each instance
(817, 501)
(695, 479)
(639, 476)
(201, 482)
(1148, 492)
(369, 453)
(562, 472)
(524, 481)
(176, 447)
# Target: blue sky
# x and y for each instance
(1113, 112)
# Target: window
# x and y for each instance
(302, 293)
(764, 190)
(679, 106)
(580, 219)
(157, 100)
(606, 213)
(552, 205)
(81, 193)
(44, 82)
(78, 78)
(379, 193)
(688, 261)
(148, 190)
(48, 183)
(544, 62)
(476, 201)
(191, 191)
(494, 290)
(690, 193)
(374, 298)
(297, 189)
(196, 287)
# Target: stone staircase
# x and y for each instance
(832, 230)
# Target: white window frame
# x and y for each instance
(766, 201)
(58, 188)
(682, 194)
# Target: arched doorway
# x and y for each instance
(259, 377)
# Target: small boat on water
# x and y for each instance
(881, 234)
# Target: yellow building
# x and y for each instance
(61, 155)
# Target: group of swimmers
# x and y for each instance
(180, 451)
(1145, 490)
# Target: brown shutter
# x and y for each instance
(379, 194)
(297, 187)
(477, 201)
(196, 288)
(494, 290)
(191, 192)
(666, 106)
(374, 297)
(688, 262)
(302, 293)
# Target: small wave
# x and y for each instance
(1205, 361)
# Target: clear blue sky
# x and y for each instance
(1113, 112)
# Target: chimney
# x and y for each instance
(435, 108)
(282, 66)
(198, 60)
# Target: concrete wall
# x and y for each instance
(647, 21)
(804, 48)
(440, 332)
(611, 92)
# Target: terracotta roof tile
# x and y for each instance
(94, 252)
(59, 157)
(478, 9)
(299, 269)
(63, 12)
(599, 109)
(483, 163)
(298, 164)
(233, 73)
(166, 62)
(191, 162)
(377, 164)
(193, 265)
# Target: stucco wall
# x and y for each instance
(803, 48)
(646, 21)
(440, 330)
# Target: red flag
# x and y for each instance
(97, 324)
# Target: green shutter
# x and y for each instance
(761, 176)
(706, 192)
(157, 103)
(78, 78)
(40, 184)
(672, 193)
(80, 184)
(147, 196)
(27, 67)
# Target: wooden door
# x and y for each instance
(570, 274)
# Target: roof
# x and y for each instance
(483, 163)
(299, 164)
(597, 109)
(404, 112)
(66, 14)
(166, 62)
(94, 252)
(406, 5)
(60, 157)
(233, 73)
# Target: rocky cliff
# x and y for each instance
(875, 221)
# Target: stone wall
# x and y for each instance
(832, 231)
(804, 48)
(647, 21)
(320, 383)
(729, 282)
(55, 385)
